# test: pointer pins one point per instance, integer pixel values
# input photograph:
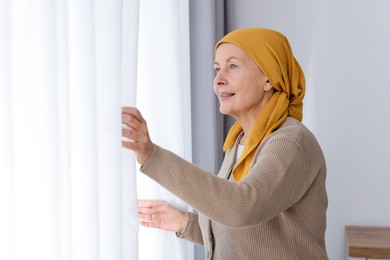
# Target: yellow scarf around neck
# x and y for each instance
(271, 51)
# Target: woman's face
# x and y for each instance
(239, 84)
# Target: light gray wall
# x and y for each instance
(344, 49)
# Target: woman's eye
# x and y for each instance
(233, 66)
(216, 70)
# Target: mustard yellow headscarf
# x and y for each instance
(271, 51)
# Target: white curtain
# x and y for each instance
(62, 191)
(67, 188)
(163, 96)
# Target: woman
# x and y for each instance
(269, 199)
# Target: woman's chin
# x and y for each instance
(225, 111)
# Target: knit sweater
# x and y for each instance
(277, 212)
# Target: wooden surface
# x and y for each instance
(369, 242)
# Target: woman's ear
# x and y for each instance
(268, 86)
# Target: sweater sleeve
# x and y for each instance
(192, 231)
(274, 183)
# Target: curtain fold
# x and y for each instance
(7, 198)
(130, 32)
(62, 187)
(163, 97)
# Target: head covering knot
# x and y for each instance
(271, 51)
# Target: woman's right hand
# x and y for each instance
(162, 215)
(135, 130)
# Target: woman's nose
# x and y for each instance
(220, 78)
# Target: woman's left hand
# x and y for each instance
(136, 132)
(160, 214)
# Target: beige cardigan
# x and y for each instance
(277, 212)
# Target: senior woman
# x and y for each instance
(269, 199)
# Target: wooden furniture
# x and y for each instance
(368, 242)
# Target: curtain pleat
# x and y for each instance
(130, 25)
(83, 130)
(108, 18)
(7, 198)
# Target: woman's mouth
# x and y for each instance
(225, 94)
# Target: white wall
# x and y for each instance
(344, 49)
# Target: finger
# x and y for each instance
(146, 217)
(149, 203)
(151, 207)
(149, 224)
(132, 144)
(131, 121)
(129, 139)
(151, 220)
(128, 110)
(151, 211)
(129, 145)
(126, 132)
(131, 135)
(133, 112)
(134, 135)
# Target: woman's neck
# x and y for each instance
(244, 136)
(246, 125)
